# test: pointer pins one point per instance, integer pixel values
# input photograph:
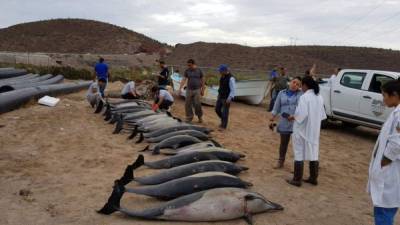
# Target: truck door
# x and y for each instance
(346, 94)
(372, 107)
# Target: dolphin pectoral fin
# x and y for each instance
(216, 143)
(145, 149)
(248, 218)
(141, 138)
(113, 202)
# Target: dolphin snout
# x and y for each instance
(244, 168)
(276, 206)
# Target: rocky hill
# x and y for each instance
(75, 36)
(297, 59)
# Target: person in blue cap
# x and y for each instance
(226, 93)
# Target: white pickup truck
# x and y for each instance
(354, 97)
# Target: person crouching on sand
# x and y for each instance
(129, 90)
(384, 169)
(162, 99)
(306, 131)
(285, 105)
(93, 94)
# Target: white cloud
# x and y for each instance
(252, 22)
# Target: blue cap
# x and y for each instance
(223, 68)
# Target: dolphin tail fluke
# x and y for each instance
(141, 138)
(128, 175)
(99, 107)
(133, 135)
(139, 162)
(129, 171)
(118, 127)
(216, 143)
(113, 202)
(108, 108)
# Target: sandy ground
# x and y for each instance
(64, 159)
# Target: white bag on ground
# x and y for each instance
(49, 101)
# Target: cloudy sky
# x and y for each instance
(250, 22)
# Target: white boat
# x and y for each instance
(249, 91)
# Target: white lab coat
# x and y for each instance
(384, 183)
(307, 126)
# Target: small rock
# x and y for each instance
(68, 105)
(61, 128)
(27, 195)
(25, 192)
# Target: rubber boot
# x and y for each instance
(298, 174)
(280, 164)
(313, 179)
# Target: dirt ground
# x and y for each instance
(57, 166)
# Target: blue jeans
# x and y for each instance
(222, 110)
(384, 216)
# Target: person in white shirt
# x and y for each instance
(162, 98)
(306, 131)
(334, 75)
(384, 169)
(93, 94)
(129, 90)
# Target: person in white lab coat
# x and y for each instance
(93, 94)
(384, 169)
(334, 75)
(306, 131)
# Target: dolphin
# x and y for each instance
(194, 133)
(189, 184)
(193, 156)
(173, 142)
(219, 204)
(180, 171)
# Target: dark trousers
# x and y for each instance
(128, 96)
(285, 138)
(222, 110)
(274, 95)
(165, 104)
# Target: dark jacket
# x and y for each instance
(224, 89)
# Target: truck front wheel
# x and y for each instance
(324, 124)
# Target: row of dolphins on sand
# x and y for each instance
(197, 179)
